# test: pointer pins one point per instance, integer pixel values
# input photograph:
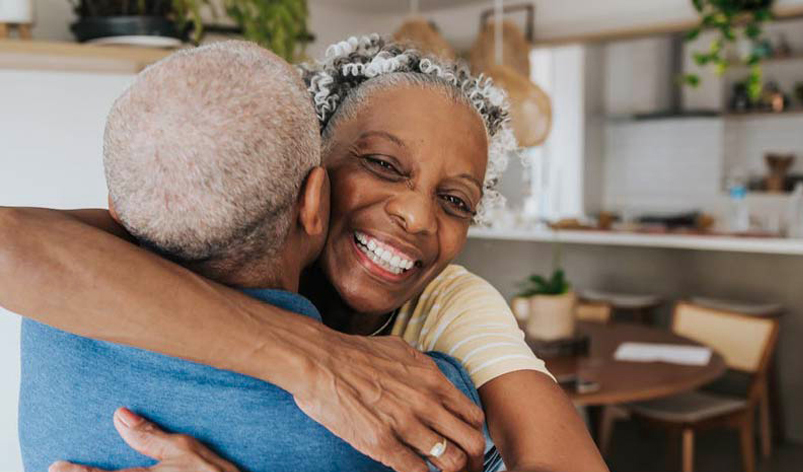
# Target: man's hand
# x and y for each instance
(392, 403)
(175, 452)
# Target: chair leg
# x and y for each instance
(776, 408)
(3, 30)
(688, 450)
(747, 442)
(764, 422)
(606, 424)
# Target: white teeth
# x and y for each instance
(386, 258)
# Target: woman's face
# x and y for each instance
(406, 177)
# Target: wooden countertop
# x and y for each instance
(75, 57)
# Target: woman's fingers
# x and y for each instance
(63, 466)
(179, 449)
(142, 435)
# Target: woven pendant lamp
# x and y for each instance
(503, 53)
(530, 107)
(425, 37)
(515, 48)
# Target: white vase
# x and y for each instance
(551, 316)
(16, 11)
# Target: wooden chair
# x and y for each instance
(747, 344)
(598, 312)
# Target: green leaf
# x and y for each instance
(692, 34)
(692, 80)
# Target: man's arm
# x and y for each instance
(100, 286)
(535, 427)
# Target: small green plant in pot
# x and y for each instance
(731, 19)
(551, 306)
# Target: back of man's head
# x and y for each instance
(206, 152)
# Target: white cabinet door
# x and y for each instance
(51, 132)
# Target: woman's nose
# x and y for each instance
(413, 211)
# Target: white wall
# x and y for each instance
(51, 155)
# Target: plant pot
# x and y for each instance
(87, 29)
(551, 317)
(521, 308)
(16, 11)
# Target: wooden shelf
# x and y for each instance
(75, 57)
(798, 112)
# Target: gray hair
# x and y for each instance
(356, 68)
(206, 152)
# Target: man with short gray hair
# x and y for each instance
(212, 159)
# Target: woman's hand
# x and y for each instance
(392, 403)
(175, 452)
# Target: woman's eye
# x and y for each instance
(458, 206)
(381, 165)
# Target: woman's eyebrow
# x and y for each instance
(471, 179)
(386, 135)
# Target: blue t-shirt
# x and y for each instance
(72, 385)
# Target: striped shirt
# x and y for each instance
(462, 315)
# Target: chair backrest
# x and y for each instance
(593, 311)
(745, 342)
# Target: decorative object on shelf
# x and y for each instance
(740, 100)
(16, 15)
(424, 35)
(728, 17)
(279, 25)
(773, 99)
(530, 107)
(799, 93)
(782, 47)
(551, 312)
(140, 22)
(778, 165)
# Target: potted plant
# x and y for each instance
(279, 25)
(730, 18)
(551, 306)
(148, 19)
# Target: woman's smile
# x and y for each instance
(383, 258)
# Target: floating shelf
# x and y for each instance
(674, 241)
(75, 57)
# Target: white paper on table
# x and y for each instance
(671, 353)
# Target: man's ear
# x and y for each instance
(313, 205)
(113, 211)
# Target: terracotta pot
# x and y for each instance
(551, 316)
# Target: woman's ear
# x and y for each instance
(313, 207)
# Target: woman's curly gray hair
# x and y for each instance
(357, 67)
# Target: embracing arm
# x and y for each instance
(379, 395)
(535, 427)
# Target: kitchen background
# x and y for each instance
(626, 141)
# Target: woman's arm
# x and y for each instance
(58, 270)
(535, 427)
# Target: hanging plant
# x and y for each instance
(730, 18)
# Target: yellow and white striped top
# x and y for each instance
(462, 315)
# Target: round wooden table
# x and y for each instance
(622, 382)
